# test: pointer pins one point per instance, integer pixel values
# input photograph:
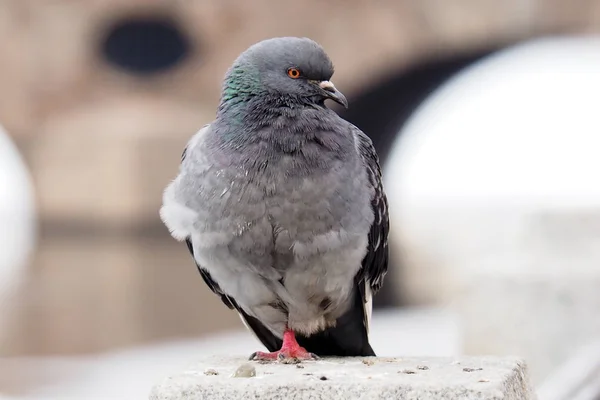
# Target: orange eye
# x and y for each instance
(293, 73)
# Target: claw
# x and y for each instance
(283, 356)
(290, 353)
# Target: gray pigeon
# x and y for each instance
(281, 205)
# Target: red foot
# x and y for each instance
(290, 351)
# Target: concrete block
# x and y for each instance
(350, 379)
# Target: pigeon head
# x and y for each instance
(287, 70)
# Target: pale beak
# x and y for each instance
(332, 93)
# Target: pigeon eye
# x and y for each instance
(294, 73)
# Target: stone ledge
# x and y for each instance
(351, 378)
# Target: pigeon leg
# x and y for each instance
(290, 351)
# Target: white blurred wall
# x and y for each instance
(17, 224)
(494, 188)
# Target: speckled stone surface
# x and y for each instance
(361, 378)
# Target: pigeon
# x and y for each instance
(281, 204)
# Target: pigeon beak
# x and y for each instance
(332, 93)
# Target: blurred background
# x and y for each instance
(485, 116)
